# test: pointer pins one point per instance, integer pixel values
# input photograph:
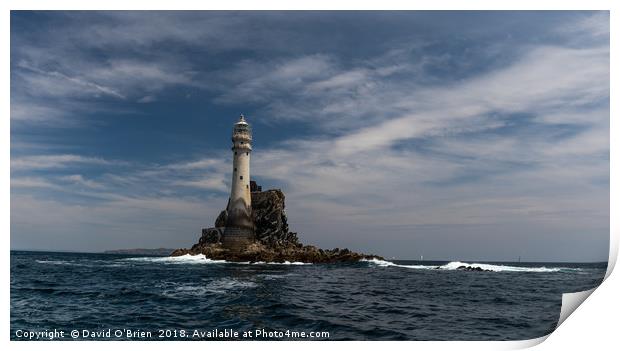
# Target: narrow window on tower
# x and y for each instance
(241, 177)
(235, 152)
(235, 169)
(246, 153)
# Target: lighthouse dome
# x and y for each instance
(242, 130)
(241, 120)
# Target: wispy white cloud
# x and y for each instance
(55, 161)
(253, 81)
(203, 163)
(79, 84)
(32, 182)
(588, 28)
(342, 80)
(146, 99)
(545, 79)
(78, 179)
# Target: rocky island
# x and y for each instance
(273, 242)
(254, 227)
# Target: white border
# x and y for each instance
(594, 324)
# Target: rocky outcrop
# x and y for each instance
(273, 240)
(271, 226)
(470, 268)
(257, 252)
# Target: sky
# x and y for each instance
(475, 135)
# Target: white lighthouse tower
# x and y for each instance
(239, 229)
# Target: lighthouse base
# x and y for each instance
(237, 239)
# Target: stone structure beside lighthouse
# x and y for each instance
(239, 228)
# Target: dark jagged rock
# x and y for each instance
(273, 240)
(221, 219)
(210, 236)
(470, 268)
(270, 219)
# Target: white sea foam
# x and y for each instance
(192, 290)
(91, 263)
(200, 259)
(185, 259)
(64, 263)
(383, 263)
(285, 263)
(499, 268)
(53, 262)
(226, 284)
(455, 264)
(277, 276)
(220, 286)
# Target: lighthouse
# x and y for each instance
(239, 230)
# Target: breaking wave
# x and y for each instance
(200, 259)
(284, 263)
(456, 264)
(185, 259)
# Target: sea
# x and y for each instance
(88, 296)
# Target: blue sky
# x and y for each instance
(453, 135)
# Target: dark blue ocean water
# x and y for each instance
(187, 298)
